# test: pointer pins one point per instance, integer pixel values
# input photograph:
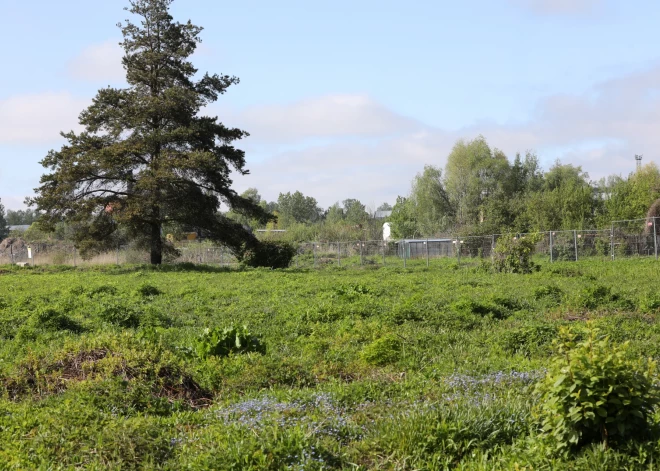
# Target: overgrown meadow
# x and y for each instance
(340, 368)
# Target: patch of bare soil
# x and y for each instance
(168, 381)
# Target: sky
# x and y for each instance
(351, 98)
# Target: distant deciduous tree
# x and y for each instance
(354, 211)
(567, 200)
(296, 207)
(21, 217)
(473, 173)
(430, 201)
(335, 214)
(631, 197)
(403, 219)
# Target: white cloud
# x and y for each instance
(340, 146)
(38, 118)
(559, 7)
(99, 63)
(601, 130)
(323, 117)
(12, 202)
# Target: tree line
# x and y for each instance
(480, 191)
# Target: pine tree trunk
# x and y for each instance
(156, 245)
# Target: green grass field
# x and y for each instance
(364, 368)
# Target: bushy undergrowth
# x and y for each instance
(513, 254)
(595, 392)
(374, 368)
(271, 254)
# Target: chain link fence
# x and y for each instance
(635, 237)
(63, 254)
(630, 238)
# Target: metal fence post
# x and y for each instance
(427, 252)
(655, 239)
(339, 253)
(117, 253)
(492, 247)
(314, 253)
(361, 255)
(74, 255)
(405, 253)
(552, 249)
(222, 256)
(575, 245)
(384, 247)
(612, 240)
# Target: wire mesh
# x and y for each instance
(636, 237)
(633, 238)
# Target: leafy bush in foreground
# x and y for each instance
(222, 342)
(594, 392)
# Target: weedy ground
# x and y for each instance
(364, 368)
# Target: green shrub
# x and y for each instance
(148, 290)
(383, 351)
(222, 342)
(100, 290)
(513, 254)
(594, 392)
(119, 314)
(50, 319)
(413, 308)
(567, 271)
(271, 254)
(352, 291)
(550, 293)
(480, 308)
(527, 340)
(595, 296)
(650, 303)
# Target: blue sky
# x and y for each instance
(349, 99)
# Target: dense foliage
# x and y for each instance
(365, 368)
(271, 254)
(513, 254)
(595, 392)
(21, 217)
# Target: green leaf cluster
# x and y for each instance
(222, 342)
(594, 392)
(383, 351)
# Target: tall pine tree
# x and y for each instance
(146, 158)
